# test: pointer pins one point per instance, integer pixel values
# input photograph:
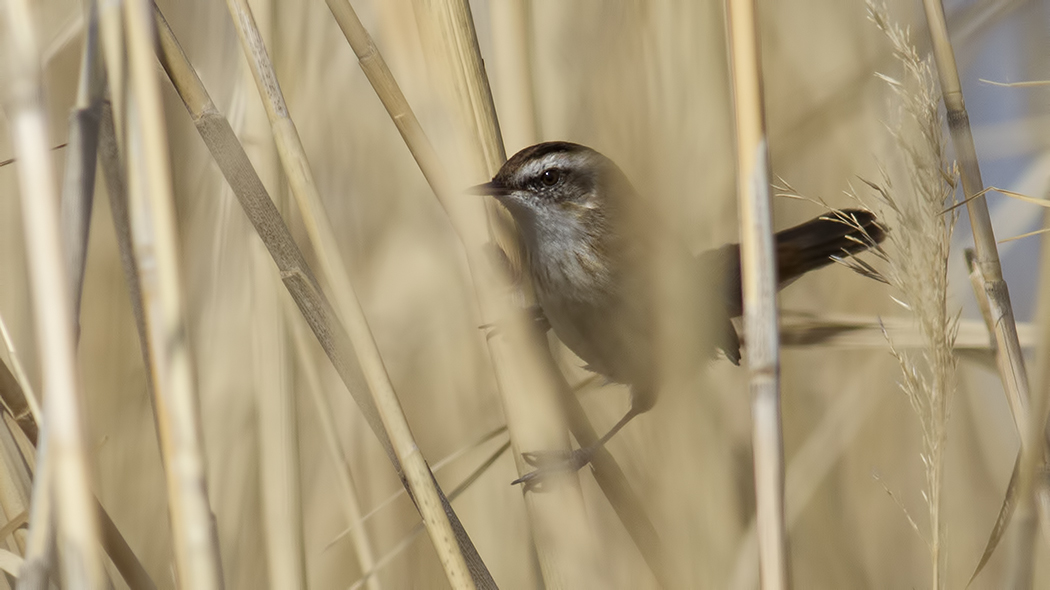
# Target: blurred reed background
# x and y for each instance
(647, 84)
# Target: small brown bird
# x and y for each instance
(590, 245)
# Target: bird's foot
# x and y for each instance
(552, 464)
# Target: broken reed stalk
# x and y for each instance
(758, 272)
(322, 237)
(76, 517)
(607, 473)
(1031, 478)
(352, 507)
(155, 240)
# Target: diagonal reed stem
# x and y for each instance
(293, 157)
(295, 272)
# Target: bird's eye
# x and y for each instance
(550, 177)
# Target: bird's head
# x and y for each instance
(555, 190)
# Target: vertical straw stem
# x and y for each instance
(1008, 355)
(417, 474)
(759, 289)
(154, 236)
(75, 514)
(351, 504)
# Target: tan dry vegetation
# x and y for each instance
(647, 84)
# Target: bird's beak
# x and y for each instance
(493, 189)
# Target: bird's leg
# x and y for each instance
(549, 463)
(533, 313)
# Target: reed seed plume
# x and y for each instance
(916, 259)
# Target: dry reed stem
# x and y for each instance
(278, 421)
(16, 485)
(16, 393)
(77, 526)
(436, 468)
(529, 382)
(39, 553)
(296, 274)
(406, 541)
(78, 186)
(113, 173)
(111, 22)
(321, 235)
(77, 191)
(511, 27)
(758, 272)
(1031, 474)
(278, 431)
(808, 469)
(155, 240)
(351, 504)
(276, 409)
(1009, 357)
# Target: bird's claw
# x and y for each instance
(551, 464)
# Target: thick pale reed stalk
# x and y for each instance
(273, 365)
(758, 272)
(512, 28)
(155, 240)
(809, 467)
(529, 382)
(75, 514)
(113, 172)
(293, 157)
